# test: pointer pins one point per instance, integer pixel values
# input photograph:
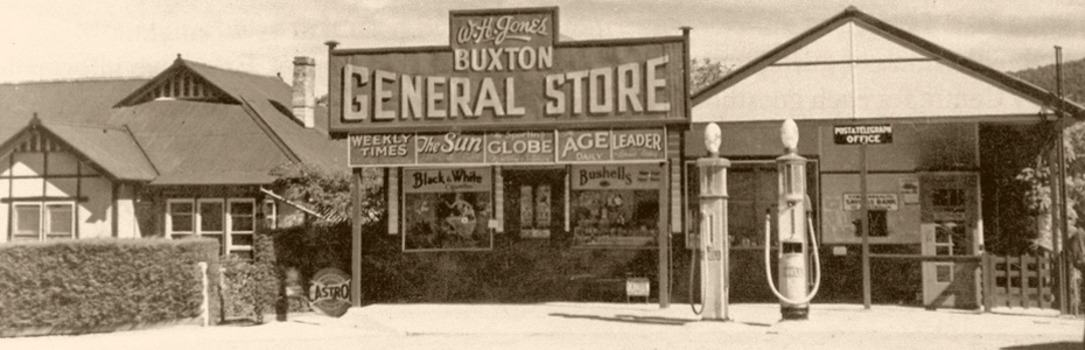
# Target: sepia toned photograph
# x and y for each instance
(597, 174)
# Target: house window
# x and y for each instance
(271, 214)
(180, 221)
(242, 221)
(27, 222)
(59, 221)
(37, 222)
(211, 222)
(230, 221)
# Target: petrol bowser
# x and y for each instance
(792, 226)
(711, 249)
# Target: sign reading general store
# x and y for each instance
(505, 70)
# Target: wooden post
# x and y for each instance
(205, 303)
(865, 220)
(356, 194)
(988, 282)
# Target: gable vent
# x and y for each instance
(36, 142)
(183, 85)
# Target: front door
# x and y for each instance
(950, 227)
(534, 202)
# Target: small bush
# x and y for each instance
(249, 288)
(93, 285)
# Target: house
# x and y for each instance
(952, 127)
(185, 153)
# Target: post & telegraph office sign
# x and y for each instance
(505, 70)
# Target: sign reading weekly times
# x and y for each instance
(505, 70)
(508, 147)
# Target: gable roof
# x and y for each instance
(111, 149)
(72, 101)
(236, 139)
(852, 14)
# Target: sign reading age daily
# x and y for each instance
(505, 68)
(862, 134)
(596, 145)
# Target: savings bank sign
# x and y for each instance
(506, 70)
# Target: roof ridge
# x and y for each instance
(80, 124)
(230, 70)
(74, 80)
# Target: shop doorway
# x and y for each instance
(534, 202)
(950, 227)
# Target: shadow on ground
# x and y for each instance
(645, 319)
(630, 319)
(1047, 346)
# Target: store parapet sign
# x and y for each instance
(450, 148)
(447, 180)
(875, 201)
(595, 146)
(382, 149)
(519, 147)
(504, 69)
(329, 293)
(617, 177)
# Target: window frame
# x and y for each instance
(15, 233)
(47, 220)
(44, 220)
(229, 222)
(170, 233)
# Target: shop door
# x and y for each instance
(949, 214)
(534, 202)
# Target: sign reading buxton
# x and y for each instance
(503, 71)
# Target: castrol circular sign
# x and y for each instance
(329, 293)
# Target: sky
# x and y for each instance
(65, 40)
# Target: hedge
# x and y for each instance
(97, 285)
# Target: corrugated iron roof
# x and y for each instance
(187, 142)
(193, 140)
(112, 148)
(72, 101)
(854, 14)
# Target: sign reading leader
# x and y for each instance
(863, 134)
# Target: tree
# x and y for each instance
(705, 72)
(328, 192)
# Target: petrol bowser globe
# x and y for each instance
(793, 225)
(712, 139)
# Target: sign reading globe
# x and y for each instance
(712, 138)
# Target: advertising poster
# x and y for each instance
(447, 209)
(875, 201)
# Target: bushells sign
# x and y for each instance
(505, 70)
(330, 292)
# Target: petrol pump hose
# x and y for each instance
(693, 262)
(817, 264)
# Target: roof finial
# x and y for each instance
(178, 56)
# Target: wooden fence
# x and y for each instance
(1022, 281)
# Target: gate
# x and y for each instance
(1023, 281)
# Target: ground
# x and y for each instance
(604, 326)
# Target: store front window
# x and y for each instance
(615, 205)
(447, 209)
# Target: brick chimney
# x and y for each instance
(304, 97)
